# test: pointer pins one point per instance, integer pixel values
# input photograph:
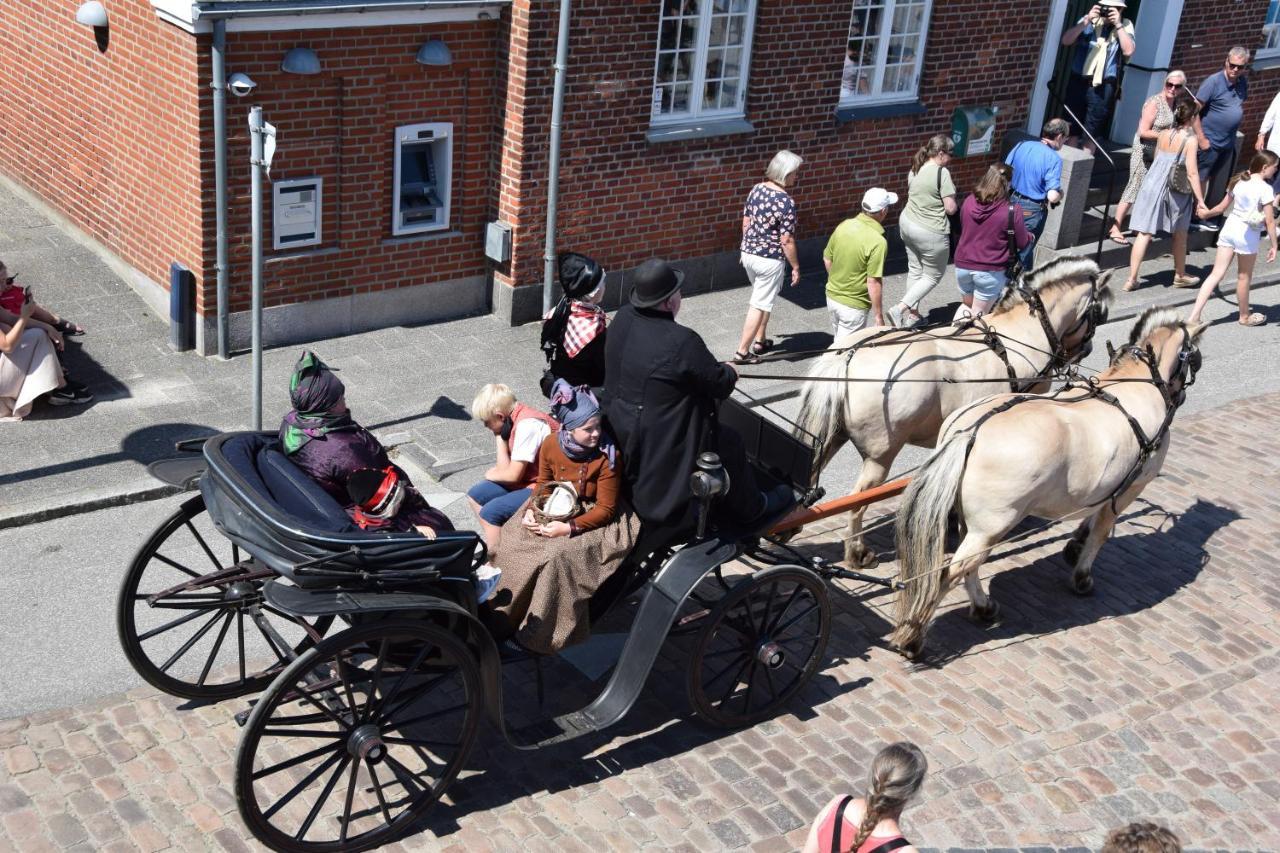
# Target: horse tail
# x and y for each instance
(822, 405)
(921, 531)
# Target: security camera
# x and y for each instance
(241, 84)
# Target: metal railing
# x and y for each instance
(1105, 208)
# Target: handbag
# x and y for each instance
(1014, 267)
(1148, 153)
(1179, 181)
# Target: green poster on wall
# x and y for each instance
(973, 130)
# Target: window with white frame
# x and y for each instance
(703, 52)
(884, 51)
(1271, 31)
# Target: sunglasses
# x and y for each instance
(1237, 67)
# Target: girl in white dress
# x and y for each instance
(1251, 200)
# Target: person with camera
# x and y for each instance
(1103, 39)
(28, 364)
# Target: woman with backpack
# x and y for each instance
(925, 228)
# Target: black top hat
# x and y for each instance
(653, 283)
(579, 275)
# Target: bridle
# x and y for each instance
(1093, 316)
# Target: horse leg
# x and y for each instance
(969, 557)
(856, 553)
(1099, 530)
(1071, 551)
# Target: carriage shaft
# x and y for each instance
(858, 500)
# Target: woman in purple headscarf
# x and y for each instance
(553, 559)
(320, 437)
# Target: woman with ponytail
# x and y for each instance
(870, 824)
(924, 226)
(1251, 199)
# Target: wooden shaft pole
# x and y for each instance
(858, 500)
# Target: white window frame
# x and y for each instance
(1271, 29)
(698, 81)
(443, 131)
(882, 56)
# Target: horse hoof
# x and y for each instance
(912, 651)
(1071, 552)
(987, 615)
(861, 559)
(1082, 585)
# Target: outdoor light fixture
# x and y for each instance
(92, 14)
(434, 52)
(241, 84)
(301, 60)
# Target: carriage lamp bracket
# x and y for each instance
(707, 483)
(813, 495)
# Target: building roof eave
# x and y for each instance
(197, 16)
(212, 9)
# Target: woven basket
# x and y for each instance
(555, 501)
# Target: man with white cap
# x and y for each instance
(854, 258)
(1103, 39)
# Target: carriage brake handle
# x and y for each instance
(707, 483)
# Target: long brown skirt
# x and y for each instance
(547, 583)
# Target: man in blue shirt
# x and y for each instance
(1221, 100)
(1101, 38)
(1037, 179)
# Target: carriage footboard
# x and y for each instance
(309, 603)
(663, 597)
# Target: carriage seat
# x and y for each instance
(271, 508)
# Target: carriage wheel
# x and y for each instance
(185, 612)
(358, 738)
(761, 643)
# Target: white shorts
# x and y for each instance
(845, 320)
(765, 275)
(1238, 236)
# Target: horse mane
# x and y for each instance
(1058, 274)
(1149, 322)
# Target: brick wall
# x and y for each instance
(110, 139)
(340, 125)
(624, 200)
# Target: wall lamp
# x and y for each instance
(94, 14)
(434, 52)
(301, 60)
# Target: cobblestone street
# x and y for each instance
(1154, 698)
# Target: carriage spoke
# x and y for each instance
(375, 683)
(785, 608)
(346, 806)
(768, 607)
(296, 760)
(303, 784)
(328, 712)
(713, 679)
(408, 699)
(217, 647)
(399, 685)
(768, 678)
(751, 682)
(734, 682)
(377, 789)
(176, 565)
(404, 741)
(271, 644)
(240, 641)
(186, 647)
(204, 545)
(181, 620)
(782, 629)
(402, 773)
(316, 733)
(322, 799)
(393, 725)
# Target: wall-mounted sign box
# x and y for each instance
(296, 212)
(973, 130)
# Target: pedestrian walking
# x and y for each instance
(1168, 191)
(1103, 39)
(1251, 200)
(1037, 179)
(870, 823)
(992, 232)
(1269, 133)
(854, 259)
(925, 227)
(1221, 98)
(768, 245)
(1157, 115)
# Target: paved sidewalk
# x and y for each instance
(1154, 698)
(411, 385)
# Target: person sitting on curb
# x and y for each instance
(573, 333)
(28, 366)
(12, 299)
(519, 431)
(869, 824)
(320, 437)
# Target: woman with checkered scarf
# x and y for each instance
(573, 332)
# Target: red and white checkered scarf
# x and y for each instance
(585, 322)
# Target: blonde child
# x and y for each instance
(1251, 200)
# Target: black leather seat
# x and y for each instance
(263, 502)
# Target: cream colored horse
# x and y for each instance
(1004, 459)
(881, 415)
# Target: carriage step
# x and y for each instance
(547, 732)
(242, 717)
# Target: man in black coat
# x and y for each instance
(662, 385)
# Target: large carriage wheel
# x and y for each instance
(760, 644)
(356, 739)
(185, 612)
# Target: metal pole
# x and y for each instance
(553, 176)
(256, 133)
(219, 85)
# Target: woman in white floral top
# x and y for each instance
(768, 245)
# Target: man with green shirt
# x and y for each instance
(855, 265)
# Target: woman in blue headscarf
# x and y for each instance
(572, 534)
(320, 437)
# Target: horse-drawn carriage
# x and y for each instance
(357, 732)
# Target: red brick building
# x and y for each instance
(389, 170)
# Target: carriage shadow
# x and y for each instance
(1133, 572)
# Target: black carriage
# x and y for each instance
(358, 732)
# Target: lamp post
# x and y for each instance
(258, 131)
